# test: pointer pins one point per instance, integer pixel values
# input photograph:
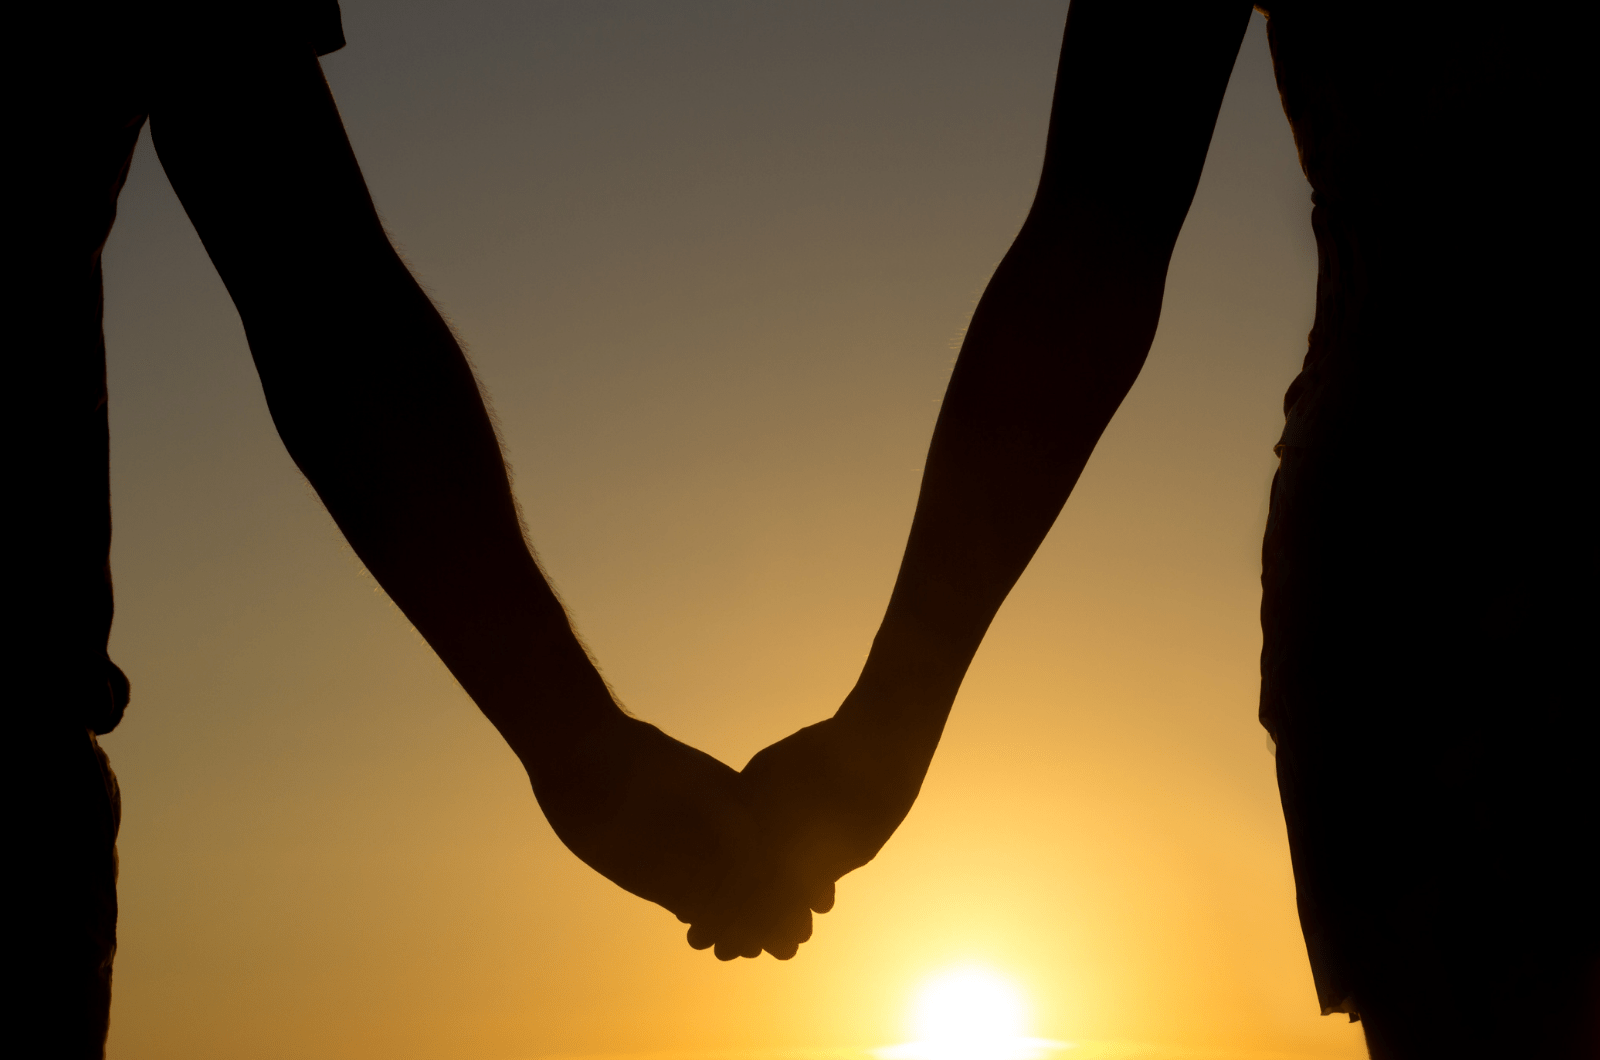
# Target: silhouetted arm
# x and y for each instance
(1057, 340)
(378, 406)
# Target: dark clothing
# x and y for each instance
(1420, 679)
(1427, 570)
(76, 138)
(81, 110)
(64, 810)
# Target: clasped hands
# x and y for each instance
(744, 858)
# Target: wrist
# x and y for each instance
(893, 732)
(549, 713)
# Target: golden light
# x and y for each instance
(970, 1014)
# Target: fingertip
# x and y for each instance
(732, 950)
(787, 932)
(784, 951)
(699, 937)
(736, 943)
(796, 924)
(822, 900)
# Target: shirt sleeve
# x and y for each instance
(323, 24)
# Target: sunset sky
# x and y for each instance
(713, 261)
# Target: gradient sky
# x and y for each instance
(712, 261)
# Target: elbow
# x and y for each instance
(1117, 232)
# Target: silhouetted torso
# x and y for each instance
(98, 71)
(1424, 561)
(1430, 134)
(88, 76)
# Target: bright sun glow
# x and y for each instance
(967, 1008)
(969, 1014)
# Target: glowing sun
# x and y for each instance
(969, 1014)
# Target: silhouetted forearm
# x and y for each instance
(378, 406)
(366, 384)
(1055, 343)
(399, 446)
